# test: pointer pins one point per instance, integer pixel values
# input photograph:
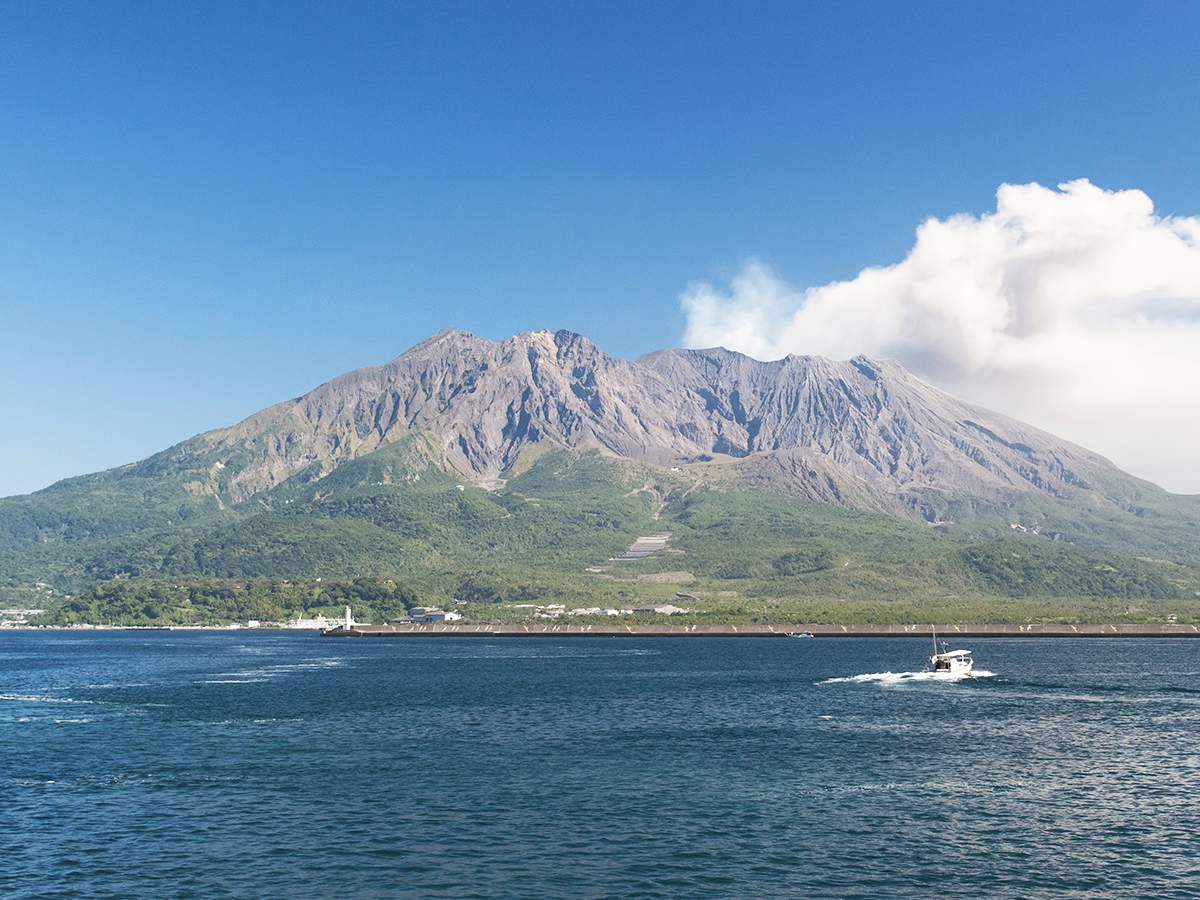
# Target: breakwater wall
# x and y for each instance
(440, 629)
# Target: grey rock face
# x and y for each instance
(863, 433)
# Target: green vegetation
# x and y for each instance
(389, 531)
(210, 601)
(1030, 569)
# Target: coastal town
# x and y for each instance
(418, 615)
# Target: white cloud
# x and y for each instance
(1077, 310)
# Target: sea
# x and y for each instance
(244, 764)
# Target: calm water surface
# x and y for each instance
(247, 765)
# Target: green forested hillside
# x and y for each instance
(392, 530)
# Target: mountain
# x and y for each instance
(300, 485)
(860, 433)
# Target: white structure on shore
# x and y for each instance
(432, 614)
(17, 618)
(664, 609)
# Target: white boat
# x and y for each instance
(950, 662)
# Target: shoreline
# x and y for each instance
(816, 631)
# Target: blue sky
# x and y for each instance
(209, 207)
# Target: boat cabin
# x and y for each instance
(953, 662)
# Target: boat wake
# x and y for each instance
(902, 677)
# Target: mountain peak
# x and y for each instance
(860, 432)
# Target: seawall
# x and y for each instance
(441, 629)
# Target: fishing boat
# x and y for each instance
(950, 662)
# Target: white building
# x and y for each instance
(434, 615)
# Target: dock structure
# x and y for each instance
(445, 629)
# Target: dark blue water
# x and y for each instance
(211, 765)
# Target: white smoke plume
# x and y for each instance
(1076, 310)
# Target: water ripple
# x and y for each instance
(213, 766)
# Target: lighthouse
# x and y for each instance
(349, 621)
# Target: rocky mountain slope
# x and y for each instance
(861, 433)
